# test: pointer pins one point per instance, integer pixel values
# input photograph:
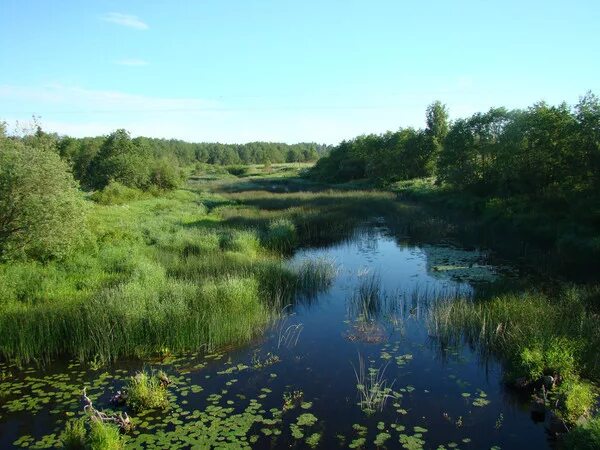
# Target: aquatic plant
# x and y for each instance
(291, 399)
(576, 400)
(372, 386)
(147, 390)
(104, 436)
(73, 437)
(91, 434)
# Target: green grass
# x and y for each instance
(104, 436)
(146, 390)
(82, 434)
(166, 273)
(73, 436)
(584, 437)
(535, 335)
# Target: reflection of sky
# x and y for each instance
(401, 269)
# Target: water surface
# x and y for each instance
(438, 397)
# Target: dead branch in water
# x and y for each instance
(122, 420)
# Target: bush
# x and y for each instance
(554, 358)
(42, 212)
(116, 193)
(281, 235)
(584, 437)
(164, 175)
(577, 399)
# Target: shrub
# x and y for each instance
(577, 399)
(556, 358)
(584, 437)
(147, 391)
(116, 193)
(164, 175)
(42, 212)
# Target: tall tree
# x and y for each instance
(436, 131)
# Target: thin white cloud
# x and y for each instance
(126, 20)
(132, 62)
(58, 98)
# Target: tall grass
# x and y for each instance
(552, 339)
(161, 275)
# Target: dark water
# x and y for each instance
(437, 397)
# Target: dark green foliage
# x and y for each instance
(584, 437)
(120, 159)
(42, 212)
(389, 157)
(142, 161)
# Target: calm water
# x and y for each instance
(438, 397)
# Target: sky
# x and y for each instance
(288, 71)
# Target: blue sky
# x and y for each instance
(237, 71)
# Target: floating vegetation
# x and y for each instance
(461, 265)
(292, 399)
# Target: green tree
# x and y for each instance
(436, 118)
(120, 159)
(42, 211)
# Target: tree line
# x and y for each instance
(43, 176)
(541, 150)
(80, 152)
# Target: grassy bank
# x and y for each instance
(158, 274)
(554, 233)
(548, 344)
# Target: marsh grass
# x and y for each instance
(535, 335)
(161, 274)
(147, 390)
(104, 436)
(372, 386)
(73, 436)
(82, 434)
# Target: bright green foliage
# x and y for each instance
(147, 390)
(104, 436)
(281, 235)
(91, 434)
(577, 400)
(42, 213)
(161, 274)
(116, 193)
(73, 436)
